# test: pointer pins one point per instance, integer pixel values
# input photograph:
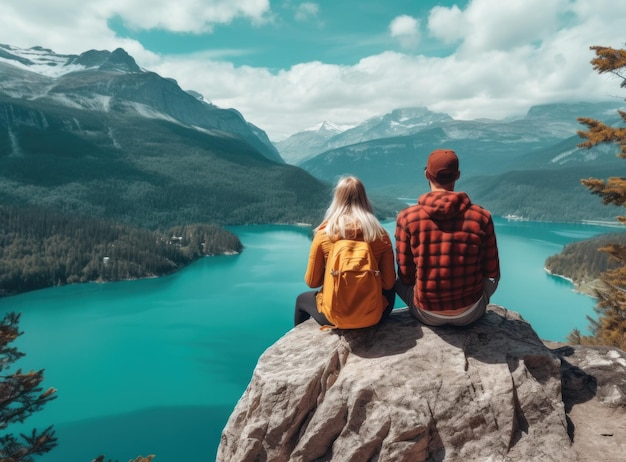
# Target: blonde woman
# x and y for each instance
(350, 216)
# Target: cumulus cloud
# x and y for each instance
(307, 11)
(183, 15)
(76, 19)
(406, 29)
(502, 58)
(64, 25)
(302, 96)
(447, 24)
(493, 24)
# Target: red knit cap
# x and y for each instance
(442, 163)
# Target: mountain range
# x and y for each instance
(528, 167)
(308, 143)
(95, 134)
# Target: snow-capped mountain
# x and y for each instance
(393, 149)
(328, 128)
(40, 60)
(399, 122)
(309, 142)
(112, 81)
(542, 126)
(94, 134)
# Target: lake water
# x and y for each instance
(156, 366)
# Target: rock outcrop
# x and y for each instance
(402, 391)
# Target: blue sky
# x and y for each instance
(330, 31)
(287, 65)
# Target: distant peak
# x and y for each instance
(37, 59)
(46, 62)
(118, 60)
(328, 126)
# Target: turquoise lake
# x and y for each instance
(156, 366)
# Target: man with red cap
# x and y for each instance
(446, 250)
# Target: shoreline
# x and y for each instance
(570, 280)
(515, 219)
(138, 278)
(588, 288)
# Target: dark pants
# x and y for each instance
(306, 307)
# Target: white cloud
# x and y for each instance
(29, 19)
(508, 56)
(406, 29)
(183, 15)
(500, 84)
(497, 25)
(446, 24)
(307, 11)
(68, 24)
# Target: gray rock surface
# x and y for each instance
(594, 394)
(402, 391)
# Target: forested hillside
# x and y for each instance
(40, 248)
(145, 172)
(582, 262)
(102, 137)
(553, 194)
(110, 172)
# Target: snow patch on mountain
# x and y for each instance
(329, 127)
(562, 156)
(39, 60)
(403, 127)
(150, 113)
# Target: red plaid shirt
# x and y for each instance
(446, 246)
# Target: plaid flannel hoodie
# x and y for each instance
(446, 246)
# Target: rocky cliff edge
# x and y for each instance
(402, 391)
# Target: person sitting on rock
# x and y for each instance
(446, 250)
(349, 217)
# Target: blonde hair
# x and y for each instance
(351, 211)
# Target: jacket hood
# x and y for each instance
(443, 205)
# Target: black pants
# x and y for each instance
(306, 307)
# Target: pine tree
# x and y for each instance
(21, 395)
(610, 328)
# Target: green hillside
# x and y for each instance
(93, 196)
(554, 194)
(582, 262)
(146, 172)
(40, 248)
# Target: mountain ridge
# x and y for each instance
(95, 79)
(100, 137)
(46, 62)
(391, 156)
(552, 122)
